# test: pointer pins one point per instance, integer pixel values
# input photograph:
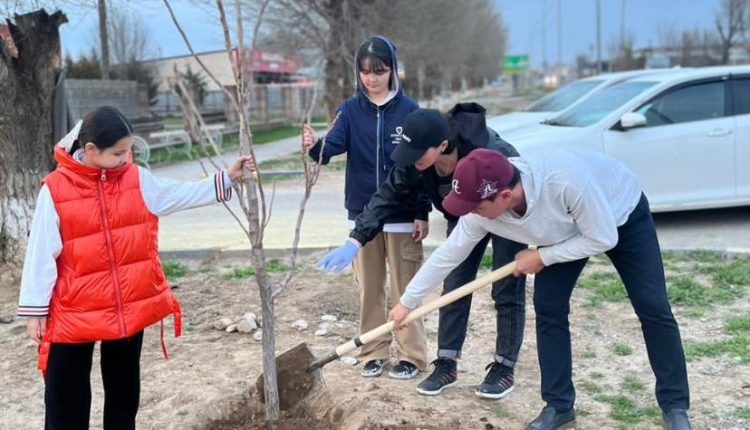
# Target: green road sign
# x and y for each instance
(513, 64)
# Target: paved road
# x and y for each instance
(189, 170)
(325, 220)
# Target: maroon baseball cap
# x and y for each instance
(478, 176)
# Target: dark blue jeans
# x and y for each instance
(509, 295)
(637, 258)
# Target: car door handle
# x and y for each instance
(718, 133)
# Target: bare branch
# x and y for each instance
(312, 173)
(197, 58)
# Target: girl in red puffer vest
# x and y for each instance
(92, 270)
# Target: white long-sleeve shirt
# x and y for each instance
(575, 201)
(162, 197)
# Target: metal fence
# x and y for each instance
(275, 104)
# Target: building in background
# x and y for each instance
(268, 68)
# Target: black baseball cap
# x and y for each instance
(422, 129)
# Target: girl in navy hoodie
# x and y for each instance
(368, 129)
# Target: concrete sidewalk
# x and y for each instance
(324, 223)
(191, 170)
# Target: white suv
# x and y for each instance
(685, 133)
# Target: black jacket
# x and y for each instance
(467, 132)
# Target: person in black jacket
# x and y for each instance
(432, 144)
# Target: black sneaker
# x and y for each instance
(404, 370)
(373, 368)
(550, 419)
(498, 383)
(442, 377)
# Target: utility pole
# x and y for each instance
(544, 37)
(598, 37)
(622, 24)
(559, 34)
(102, 9)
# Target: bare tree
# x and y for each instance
(128, 38)
(251, 193)
(440, 44)
(731, 23)
(9, 8)
(27, 85)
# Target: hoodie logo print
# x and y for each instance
(399, 136)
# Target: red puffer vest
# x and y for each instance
(110, 283)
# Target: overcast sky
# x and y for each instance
(524, 19)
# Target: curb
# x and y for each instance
(218, 253)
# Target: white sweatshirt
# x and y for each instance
(162, 197)
(575, 202)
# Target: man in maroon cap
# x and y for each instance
(570, 205)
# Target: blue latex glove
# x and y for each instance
(338, 259)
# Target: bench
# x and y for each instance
(141, 151)
(171, 139)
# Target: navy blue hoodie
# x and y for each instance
(368, 133)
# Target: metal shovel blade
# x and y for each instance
(296, 376)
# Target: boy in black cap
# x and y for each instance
(432, 144)
(571, 205)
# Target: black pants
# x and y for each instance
(637, 259)
(67, 392)
(509, 295)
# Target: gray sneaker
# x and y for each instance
(404, 370)
(373, 368)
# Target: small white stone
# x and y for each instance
(321, 332)
(329, 318)
(231, 328)
(251, 319)
(300, 325)
(349, 360)
(324, 326)
(222, 324)
(258, 335)
(244, 327)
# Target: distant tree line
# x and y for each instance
(691, 47)
(442, 44)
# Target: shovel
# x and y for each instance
(299, 370)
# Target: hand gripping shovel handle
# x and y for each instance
(419, 312)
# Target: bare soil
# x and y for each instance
(208, 381)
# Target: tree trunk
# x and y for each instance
(27, 85)
(103, 37)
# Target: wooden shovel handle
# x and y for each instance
(419, 312)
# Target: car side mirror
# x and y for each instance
(632, 120)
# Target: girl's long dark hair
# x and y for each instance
(379, 54)
(103, 126)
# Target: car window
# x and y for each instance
(742, 96)
(691, 103)
(600, 104)
(564, 97)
